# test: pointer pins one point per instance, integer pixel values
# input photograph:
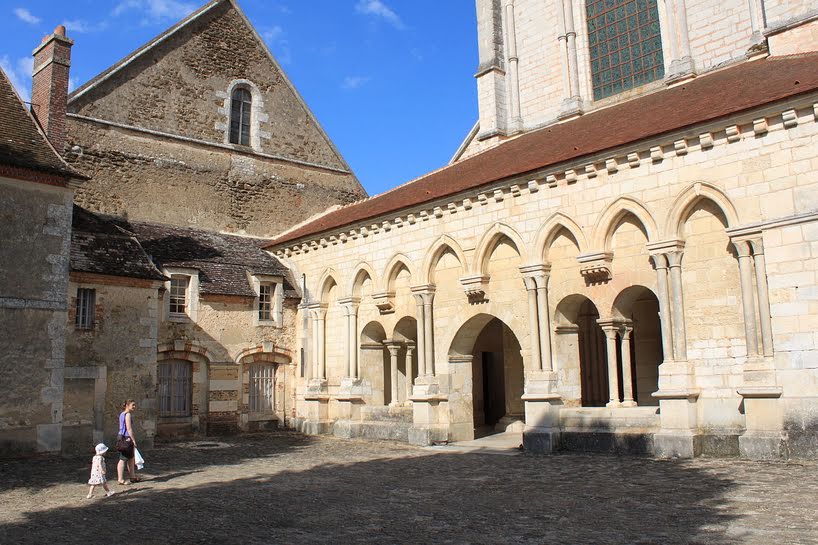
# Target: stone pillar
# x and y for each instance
(745, 266)
(321, 330)
(762, 289)
(681, 64)
(350, 306)
(567, 39)
(533, 326)
(421, 324)
(425, 295)
(491, 73)
(545, 321)
(410, 350)
(660, 263)
(610, 329)
(677, 305)
(626, 330)
(515, 121)
(757, 22)
(394, 351)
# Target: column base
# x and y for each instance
(676, 444)
(629, 403)
(680, 70)
(761, 445)
(613, 404)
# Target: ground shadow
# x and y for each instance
(414, 498)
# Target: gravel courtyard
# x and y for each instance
(288, 488)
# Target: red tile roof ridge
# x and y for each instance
(717, 94)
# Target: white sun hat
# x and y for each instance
(101, 448)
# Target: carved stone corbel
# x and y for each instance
(475, 287)
(385, 301)
(596, 267)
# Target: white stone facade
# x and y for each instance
(535, 66)
(697, 248)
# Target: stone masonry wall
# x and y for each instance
(35, 224)
(114, 361)
(177, 183)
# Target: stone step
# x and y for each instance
(387, 414)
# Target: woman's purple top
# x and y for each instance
(123, 429)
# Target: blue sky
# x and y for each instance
(391, 81)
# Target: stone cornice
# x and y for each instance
(781, 116)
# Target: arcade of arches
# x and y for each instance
(628, 333)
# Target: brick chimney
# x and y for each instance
(49, 90)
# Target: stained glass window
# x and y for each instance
(625, 45)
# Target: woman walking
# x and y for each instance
(126, 443)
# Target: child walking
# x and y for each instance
(99, 473)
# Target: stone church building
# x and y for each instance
(619, 257)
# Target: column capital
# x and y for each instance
(393, 346)
(742, 246)
(535, 270)
(350, 304)
(626, 328)
(665, 246)
(423, 289)
(610, 327)
(659, 261)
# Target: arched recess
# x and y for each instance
(373, 359)
(191, 358)
(263, 371)
(689, 198)
(613, 214)
(359, 276)
(442, 245)
(405, 337)
(490, 239)
(486, 354)
(580, 352)
(552, 228)
(638, 307)
(393, 269)
(327, 282)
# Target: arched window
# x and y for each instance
(625, 45)
(240, 105)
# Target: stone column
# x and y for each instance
(626, 331)
(394, 350)
(762, 290)
(681, 63)
(410, 350)
(533, 326)
(421, 323)
(350, 306)
(610, 329)
(660, 263)
(677, 305)
(321, 315)
(427, 295)
(544, 320)
(515, 121)
(745, 267)
(757, 22)
(572, 103)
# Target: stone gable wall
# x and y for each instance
(178, 87)
(177, 183)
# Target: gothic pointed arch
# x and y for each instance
(489, 241)
(610, 218)
(441, 245)
(360, 273)
(328, 279)
(393, 268)
(550, 230)
(690, 197)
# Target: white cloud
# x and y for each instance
(379, 9)
(81, 26)
(157, 10)
(26, 16)
(19, 74)
(354, 82)
(278, 44)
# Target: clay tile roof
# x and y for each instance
(223, 261)
(22, 142)
(704, 99)
(99, 246)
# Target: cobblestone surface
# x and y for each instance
(287, 488)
